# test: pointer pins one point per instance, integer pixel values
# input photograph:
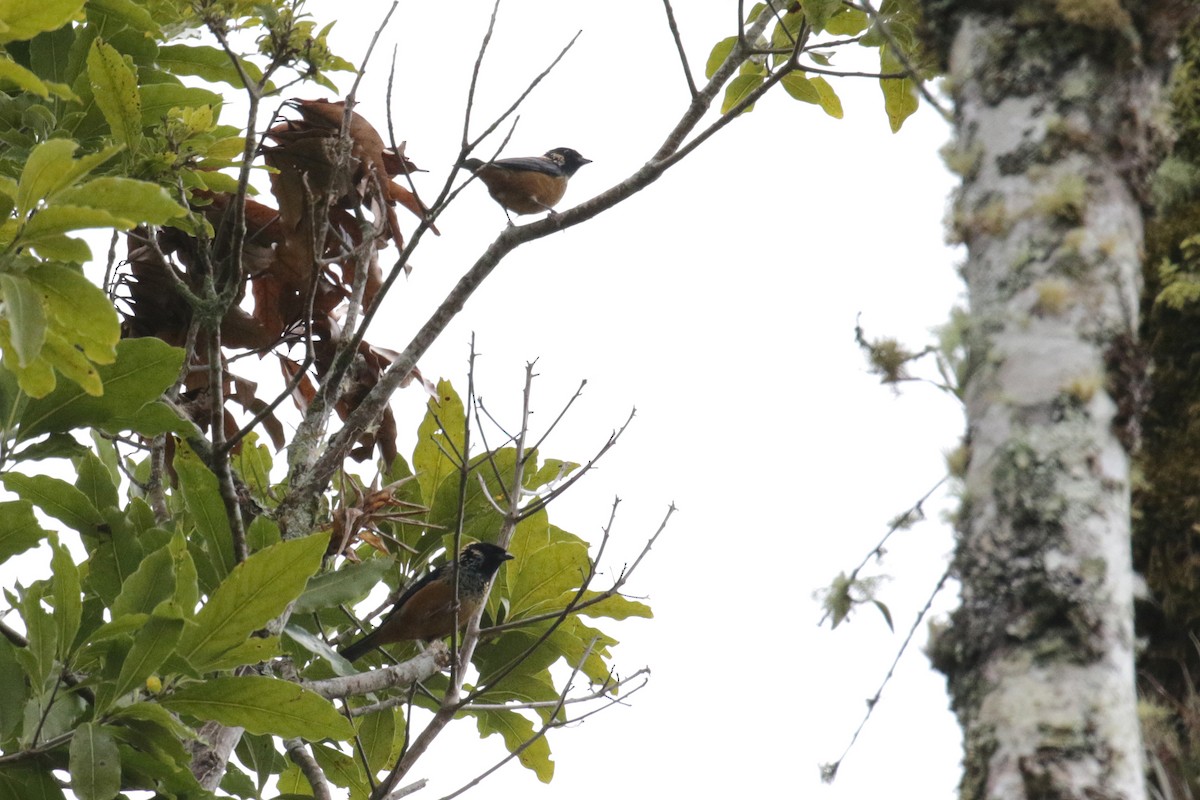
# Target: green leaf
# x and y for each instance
(256, 592)
(347, 585)
(18, 528)
(900, 100)
(516, 730)
(96, 482)
(29, 781)
(720, 52)
(115, 87)
(78, 305)
(143, 370)
(615, 607)
(261, 705)
(152, 583)
(57, 498)
(738, 90)
(125, 198)
(377, 733)
(56, 445)
(818, 12)
(26, 317)
(95, 763)
(202, 495)
(127, 13)
(850, 22)
(151, 646)
(24, 19)
(14, 692)
(47, 169)
(548, 564)
(159, 98)
(830, 103)
(341, 769)
(210, 64)
(800, 87)
(68, 603)
(24, 80)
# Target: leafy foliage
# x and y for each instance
(801, 45)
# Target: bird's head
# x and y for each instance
(483, 556)
(568, 159)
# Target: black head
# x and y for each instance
(568, 159)
(483, 556)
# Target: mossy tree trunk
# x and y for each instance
(1056, 107)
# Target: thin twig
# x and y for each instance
(687, 71)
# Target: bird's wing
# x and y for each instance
(527, 164)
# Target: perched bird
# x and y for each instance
(425, 610)
(528, 185)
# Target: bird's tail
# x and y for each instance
(356, 650)
(472, 164)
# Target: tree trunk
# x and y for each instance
(1055, 111)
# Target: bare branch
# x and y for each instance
(687, 71)
(308, 765)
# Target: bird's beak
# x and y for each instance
(508, 557)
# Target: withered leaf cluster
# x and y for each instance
(302, 261)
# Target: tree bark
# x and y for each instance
(1056, 106)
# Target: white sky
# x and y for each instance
(720, 302)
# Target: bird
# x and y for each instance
(426, 609)
(531, 184)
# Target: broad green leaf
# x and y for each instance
(153, 712)
(152, 419)
(37, 657)
(56, 445)
(720, 52)
(738, 90)
(900, 99)
(57, 498)
(347, 585)
(202, 495)
(159, 98)
(26, 317)
(19, 529)
(24, 19)
(29, 781)
(12, 72)
(77, 304)
(125, 198)
(113, 560)
(211, 64)
(143, 370)
(153, 582)
(47, 169)
(115, 87)
(62, 248)
(517, 730)
(377, 732)
(68, 604)
(830, 103)
(850, 22)
(67, 358)
(256, 592)
(818, 12)
(615, 607)
(261, 705)
(341, 769)
(127, 13)
(800, 87)
(429, 463)
(151, 646)
(14, 693)
(59, 219)
(49, 57)
(94, 762)
(96, 482)
(547, 563)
